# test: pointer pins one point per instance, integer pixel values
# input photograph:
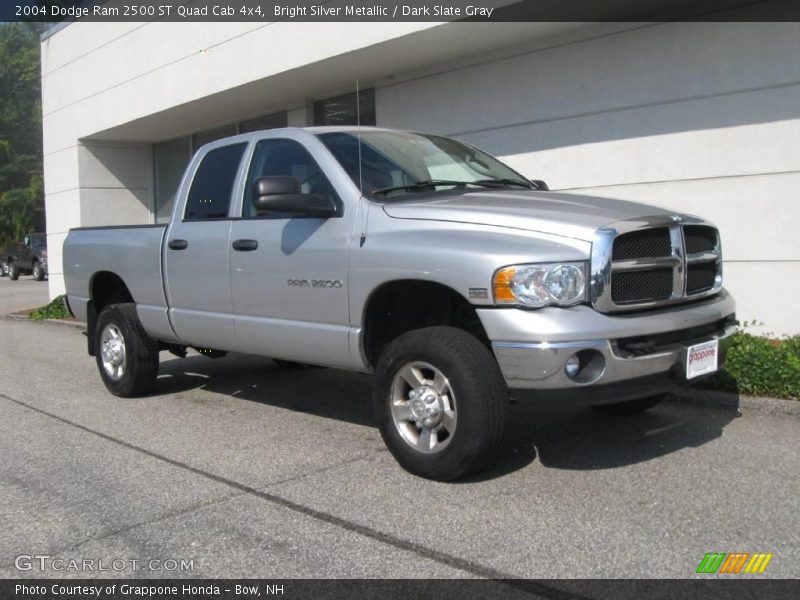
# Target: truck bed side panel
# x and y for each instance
(134, 254)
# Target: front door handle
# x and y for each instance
(178, 244)
(245, 245)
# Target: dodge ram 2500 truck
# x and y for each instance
(454, 279)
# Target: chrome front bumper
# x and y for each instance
(541, 342)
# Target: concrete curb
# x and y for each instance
(703, 397)
(60, 322)
(730, 401)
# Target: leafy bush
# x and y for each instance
(55, 310)
(761, 366)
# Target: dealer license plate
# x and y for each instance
(702, 359)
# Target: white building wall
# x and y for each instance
(695, 117)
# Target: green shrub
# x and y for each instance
(793, 343)
(760, 366)
(55, 310)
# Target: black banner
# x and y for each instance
(399, 10)
(344, 589)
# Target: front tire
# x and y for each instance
(38, 272)
(630, 407)
(13, 272)
(441, 403)
(127, 357)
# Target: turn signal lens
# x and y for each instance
(502, 285)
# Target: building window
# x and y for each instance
(343, 110)
(273, 121)
(212, 187)
(212, 135)
(170, 160)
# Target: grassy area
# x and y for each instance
(55, 310)
(760, 366)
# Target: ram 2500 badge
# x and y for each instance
(454, 279)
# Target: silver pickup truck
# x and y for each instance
(455, 280)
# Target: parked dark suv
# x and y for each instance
(29, 257)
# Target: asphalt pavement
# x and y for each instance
(247, 470)
(23, 293)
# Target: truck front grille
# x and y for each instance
(656, 265)
(649, 243)
(641, 286)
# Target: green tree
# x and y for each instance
(21, 189)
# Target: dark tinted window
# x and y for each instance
(343, 110)
(286, 158)
(212, 135)
(210, 194)
(273, 121)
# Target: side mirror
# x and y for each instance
(283, 195)
(540, 184)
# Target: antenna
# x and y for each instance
(358, 122)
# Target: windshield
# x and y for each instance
(38, 240)
(397, 163)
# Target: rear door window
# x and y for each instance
(212, 187)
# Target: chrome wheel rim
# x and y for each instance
(112, 351)
(423, 407)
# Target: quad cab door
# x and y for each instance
(288, 273)
(196, 250)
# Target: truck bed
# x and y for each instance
(131, 252)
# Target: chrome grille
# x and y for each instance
(658, 261)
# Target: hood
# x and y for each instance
(567, 215)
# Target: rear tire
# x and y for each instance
(127, 357)
(630, 407)
(13, 272)
(38, 272)
(441, 403)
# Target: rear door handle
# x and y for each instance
(245, 245)
(178, 244)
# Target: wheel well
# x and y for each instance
(401, 306)
(108, 288)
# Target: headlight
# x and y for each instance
(562, 284)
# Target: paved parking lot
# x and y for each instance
(251, 471)
(25, 292)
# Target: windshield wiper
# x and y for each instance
(428, 183)
(420, 185)
(506, 181)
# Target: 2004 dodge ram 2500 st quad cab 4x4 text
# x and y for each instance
(418, 258)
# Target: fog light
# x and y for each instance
(573, 366)
(585, 366)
